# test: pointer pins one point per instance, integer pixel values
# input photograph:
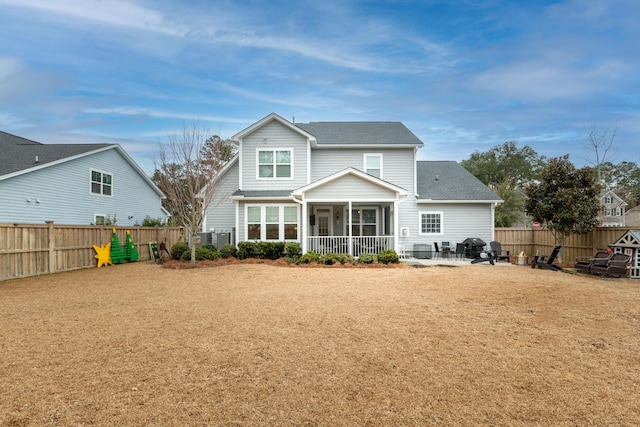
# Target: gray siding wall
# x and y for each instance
(278, 136)
(459, 222)
(221, 214)
(398, 165)
(64, 196)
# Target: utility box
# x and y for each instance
(222, 239)
(420, 251)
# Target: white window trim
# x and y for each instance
(263, 221)
(95, 218)
(421, 233)
(274, 178)
(101, 189)
(364, 162)
(360, 224)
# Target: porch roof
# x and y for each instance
(400, 192)
(261, 194)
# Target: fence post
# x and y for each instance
(52, 249)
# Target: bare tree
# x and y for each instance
(186, 173)
(601, 142)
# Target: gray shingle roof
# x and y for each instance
(17, 153)
(263, 193)
(447, 180)
(370, 133)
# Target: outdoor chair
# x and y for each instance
(600, 258)
(437, 250)
(542, 261)
(446, 249)
(615, 267)
(484, 256)
(460, 250)
(496, 248)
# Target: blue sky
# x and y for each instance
(463, 75)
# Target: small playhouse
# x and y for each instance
(629, 244)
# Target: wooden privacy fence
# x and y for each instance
(33, 249)
(533, 241)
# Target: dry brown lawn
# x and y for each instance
(258, 344)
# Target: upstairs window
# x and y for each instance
(101, 183)
(373, 164)
(275, 164)
(608, 200)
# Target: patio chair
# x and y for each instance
(542, 261)
(484, 256)
(496, 247)
(437, 250)
(460, 250)
(615, 267)
(600, 258)
(446, 249)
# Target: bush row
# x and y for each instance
(291, 251)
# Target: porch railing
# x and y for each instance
(355, 245)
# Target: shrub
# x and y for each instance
(270, 250)
(203, 253)
(228, 251)
(309, 257)
(152, 222)
(292, 249)
(247, 250)
(208, 246)
(179, 249)
(388, 256)
(330, 259)
(367, 258)
(347, 259)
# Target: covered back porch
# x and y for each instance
(349, 212)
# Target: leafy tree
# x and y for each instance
(505, 163)
(565, 200)
(189, 163)
(509, 211)
(624, 179)
(506, 169)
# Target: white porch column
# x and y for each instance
(304, 221)
(396, 229)
(350, 228)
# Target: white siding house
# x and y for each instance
(346, 187)
(73, 184)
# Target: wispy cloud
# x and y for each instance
(111, 12)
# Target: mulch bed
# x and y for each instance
(262, 344)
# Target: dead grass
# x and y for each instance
(257, 344)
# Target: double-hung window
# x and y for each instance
(373, 164)
(275, 164)
(272, 222)
(430, 223)
(101, 183)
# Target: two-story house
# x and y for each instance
(345, 187)
(73, 184)
(612, 210)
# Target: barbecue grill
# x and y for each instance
(473, 247)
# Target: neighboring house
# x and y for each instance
(345, 187)
(73, 184)
(612, 210)
(632, 217)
